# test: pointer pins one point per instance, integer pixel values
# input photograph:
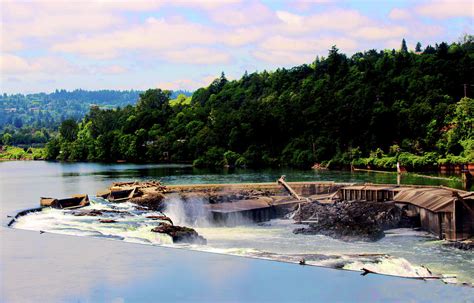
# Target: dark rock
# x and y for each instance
(180, 234)
(99, 212)
(463, 245)
(164, 218)
(152, 201)
(92, 213)
(107, 221)
(359, 220)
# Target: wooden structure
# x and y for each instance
(124, 191)
(369, 192)
(447, 213)
(75, 201)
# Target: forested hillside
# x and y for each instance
(31, 118)
(374, 106)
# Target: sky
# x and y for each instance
(181, 44)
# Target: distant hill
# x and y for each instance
(43, 110)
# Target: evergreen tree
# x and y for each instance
(404, 48)
(418, 47)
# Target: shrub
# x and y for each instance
(230, 158)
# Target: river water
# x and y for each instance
(401, 252)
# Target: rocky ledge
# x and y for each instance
(151, 200)
(180, 234)
(351, 221)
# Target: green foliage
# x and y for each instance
(415, 162)
(18, 153)
(68, 130)
(374, 108)
(7, 139)
(181, 100)
(47, 111)
(394, 150)
(214, 157)
(52, 149)
(230, 158)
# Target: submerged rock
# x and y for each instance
(180, 234)
(463, 245)
(359, 220)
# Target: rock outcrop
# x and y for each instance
(180, 234)
(348, 221)
(151, 200)
(463, 245)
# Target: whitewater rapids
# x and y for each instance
(403, 252)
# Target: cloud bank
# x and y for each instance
(139, 44)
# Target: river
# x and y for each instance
(22, 183)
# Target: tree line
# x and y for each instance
(337, 110)
(34, 118)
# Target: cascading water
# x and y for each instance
(189, 212)
(401, 252)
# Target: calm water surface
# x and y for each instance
(45, 266)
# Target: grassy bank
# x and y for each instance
(18, 153)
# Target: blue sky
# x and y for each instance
(180, 44)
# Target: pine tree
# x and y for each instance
(404, 48)
(418, 47)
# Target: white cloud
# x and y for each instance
(12, 64)
(306, 44)
(399, 14)
(380, 33)
(187, 83)
(290, 19)
(113, 69)
(335, 19)
(153, 35)
(159, 33)
(284, 58)
(249, 13)
(244, 35)
(197, 56)
(443, 9)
